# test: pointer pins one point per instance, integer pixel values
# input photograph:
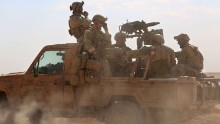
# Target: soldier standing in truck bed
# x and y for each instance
(78, 21)
(95, 42)
(161, 57)
(190, 59)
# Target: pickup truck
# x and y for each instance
(52, 81)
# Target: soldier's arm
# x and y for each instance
(173, 60)
(172, 56)
(138, 53)
(108, 40)
(107, 35)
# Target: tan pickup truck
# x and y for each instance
(52, 81)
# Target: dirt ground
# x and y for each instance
(211, 117)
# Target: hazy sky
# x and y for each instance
(28, 25)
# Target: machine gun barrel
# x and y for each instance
(137, 26)
(152, 24)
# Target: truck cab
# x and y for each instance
(45, 81)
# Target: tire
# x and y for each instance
(125, 113)
(3, 100)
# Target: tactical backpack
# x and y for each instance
(198, 63)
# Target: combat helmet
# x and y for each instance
(75, 4)
(158, 39)
(182, 38)
(118, 35)
(99, 17)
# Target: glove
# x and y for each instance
(105, 26)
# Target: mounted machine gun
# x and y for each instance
(140, 30)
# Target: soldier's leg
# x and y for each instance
(193, 72)
(82, 69)
(178, 70)
(72, 71)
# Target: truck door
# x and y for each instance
(44, 82)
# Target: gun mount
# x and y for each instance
(140, 30)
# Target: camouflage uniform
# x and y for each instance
(162, 58)
(123, 47)
(95, 42)
(78, 21)
(188, 61)
(120, 64)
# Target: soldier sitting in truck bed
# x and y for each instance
(119, 64)
(190, 59)
(161, 57)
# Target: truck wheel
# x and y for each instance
(3, 100)
(125, 113)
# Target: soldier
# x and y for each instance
(161, 57)
(78, 21)
(120, 39)
(190, 59)
(95, 42)
(120, 65)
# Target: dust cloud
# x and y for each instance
(24, 114)
(32, 114)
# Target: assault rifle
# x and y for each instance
(140, 30)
